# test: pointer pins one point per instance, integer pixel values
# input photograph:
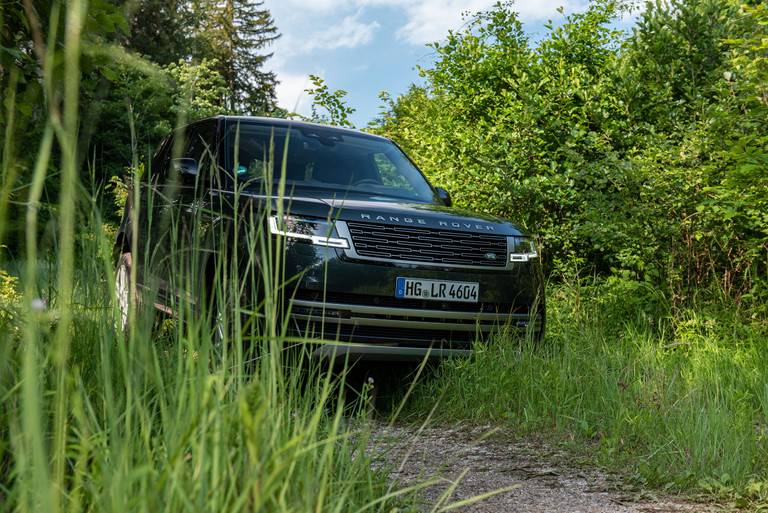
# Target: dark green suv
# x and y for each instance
(374, 256)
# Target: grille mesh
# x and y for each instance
(428, 245)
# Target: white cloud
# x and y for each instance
(430, 20)
(350, 33)
(426, 20)
(311, 6)
(290, 92)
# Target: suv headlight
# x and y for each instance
(312, 231)
(522, 249)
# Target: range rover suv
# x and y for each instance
(376, 259)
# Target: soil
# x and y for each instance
(462, 463)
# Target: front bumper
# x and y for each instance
(379, 353)
(417, 327)
(352, 302)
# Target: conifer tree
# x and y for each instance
(161, 30)
(236, 33)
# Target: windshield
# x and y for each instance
(325, 160)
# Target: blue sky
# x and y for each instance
(367, 46)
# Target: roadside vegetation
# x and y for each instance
(162, 415)
(672, 400)
(639, 153)
(165, 417)
(640, 157)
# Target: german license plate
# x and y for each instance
(438, 290)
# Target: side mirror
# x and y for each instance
(445, 196)
(185, 166)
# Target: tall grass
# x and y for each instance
(164, 416)
(678, 398)
(157, 424)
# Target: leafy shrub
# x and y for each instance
(337, 112)
(639, 152)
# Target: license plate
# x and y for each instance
(437, 290)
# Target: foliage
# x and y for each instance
(162, 30)
(120, 188)
(153, 98)
(152, 63)
(673, 60)
(10, 299)
(675, 399)
(337, 112)
(639, 152)
(737, 203)
(199, 91)
(126, 89)
(524, 132)
(230, 35)
(156, 419)
(31, 49)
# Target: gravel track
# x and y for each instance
(543, 479)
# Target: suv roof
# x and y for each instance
(290, 123)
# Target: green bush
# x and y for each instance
(640, 152)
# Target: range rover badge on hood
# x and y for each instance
(418, 220)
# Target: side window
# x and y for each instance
(201, 145)
(259, 154)
(253, 159)
(159, 169)
(389, 174)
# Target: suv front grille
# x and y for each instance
(428, 245)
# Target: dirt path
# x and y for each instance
(543, 481)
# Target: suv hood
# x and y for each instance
(421, 214)
(399, 213)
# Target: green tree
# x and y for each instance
(162, 30)
(734, 212)
(155, 97)
(199, 90)
(521, 131)
(236, 34)
(116, 85)
(31, 49)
